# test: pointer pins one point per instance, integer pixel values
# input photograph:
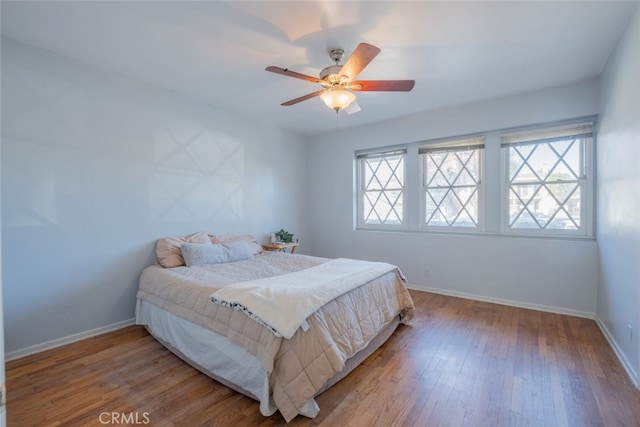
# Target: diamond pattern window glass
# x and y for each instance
(451, 182)
(547, 178)
(381, 182)
(528, 181)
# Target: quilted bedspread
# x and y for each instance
(298, 367)
(284, 302)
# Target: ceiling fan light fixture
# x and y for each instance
(338, 98)
(338, 81)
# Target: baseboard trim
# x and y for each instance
(501, 301)
(628, 367)
(48, 345)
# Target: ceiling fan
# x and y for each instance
(339, 81)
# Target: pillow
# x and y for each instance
(198, 253)
(238, 250)
(254, 246)
(168, 251)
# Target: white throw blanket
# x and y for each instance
(284, 302)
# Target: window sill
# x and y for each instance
(470, 233)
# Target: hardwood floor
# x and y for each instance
(461, 363)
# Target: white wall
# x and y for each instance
(619, 198)
(97, 166)
(554, 274)
(3, 411)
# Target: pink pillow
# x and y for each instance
(254, 246)
(168, 249)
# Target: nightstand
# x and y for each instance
(281, 247)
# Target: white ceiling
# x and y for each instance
(457, 52)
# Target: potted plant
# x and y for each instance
(284, 236)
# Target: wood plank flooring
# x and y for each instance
(461, 363)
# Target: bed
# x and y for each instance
(198, 313)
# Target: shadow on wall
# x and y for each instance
(198, 175)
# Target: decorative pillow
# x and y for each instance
(238, 250)
(254, 246)
(168, 251)
(198, 253)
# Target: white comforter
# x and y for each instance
(283, 303)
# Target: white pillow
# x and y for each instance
(198, 253)
(238, 250)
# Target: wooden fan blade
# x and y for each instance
(302, 98)
(382, 85)
(290, 73)
(360, 58)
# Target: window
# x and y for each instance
(546, 176)
(527, 181)
(451, 182)
(381, 180)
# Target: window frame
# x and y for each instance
(452, 145)
(361, 156)
(586, 182)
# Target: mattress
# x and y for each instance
(291, 371)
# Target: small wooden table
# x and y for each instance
(281, 247)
